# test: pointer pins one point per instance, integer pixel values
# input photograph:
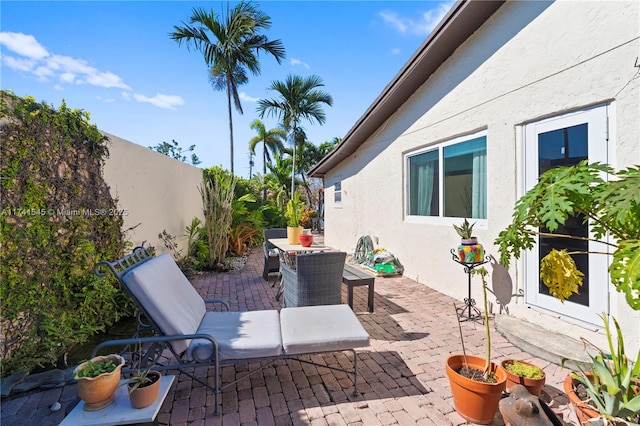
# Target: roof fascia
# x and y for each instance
(464, 18)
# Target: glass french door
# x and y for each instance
(566, 140)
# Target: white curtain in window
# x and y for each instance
(425, 188)
(479, 188)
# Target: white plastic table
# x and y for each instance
(120, 411)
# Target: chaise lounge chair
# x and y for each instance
(169, 305)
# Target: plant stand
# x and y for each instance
(469, 312)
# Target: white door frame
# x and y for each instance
(597, 119)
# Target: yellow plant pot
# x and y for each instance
(293, 234)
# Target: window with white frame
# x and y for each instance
(449, 179)
(337, 192)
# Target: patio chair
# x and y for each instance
(187, 335)
(316, 279)
(271, 260)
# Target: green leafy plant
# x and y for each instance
(50, 237)
(217, 193)
(465, 230)
(294, 210)
(524, 370)
(94, 369)
(608, 199)
(615, 385)
(142, 374)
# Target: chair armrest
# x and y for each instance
(159, 339)
(223, 302)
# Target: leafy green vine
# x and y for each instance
(57, 219)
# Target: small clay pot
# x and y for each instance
(306, 240)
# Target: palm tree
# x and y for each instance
(299, 99)
(271, 140)
(230, 47)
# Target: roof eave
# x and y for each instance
(464, 18)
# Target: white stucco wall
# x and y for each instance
(157, 192)
(529, 61)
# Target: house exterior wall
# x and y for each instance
(157, 192)
(529, 61)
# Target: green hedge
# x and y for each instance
(57, 220)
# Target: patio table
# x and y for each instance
(288, 254)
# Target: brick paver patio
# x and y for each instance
(402, 378)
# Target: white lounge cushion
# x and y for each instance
(329, 328)
(168, 297)
(240, 335)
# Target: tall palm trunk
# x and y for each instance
(293, 170)
(230, 125)
(264, 170)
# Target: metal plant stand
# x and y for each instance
(469, 312)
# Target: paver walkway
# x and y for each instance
(402, 376)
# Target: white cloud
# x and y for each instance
(395, 51)
(34, 60)
(67, 77)
(23, 45)
(245, 97)
(160, 100)
(19, 64)
(297, 62)
(422, 26)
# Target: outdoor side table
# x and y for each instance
(120, 412)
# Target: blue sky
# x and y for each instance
(115, 60)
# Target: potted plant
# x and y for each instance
(610, 201)
(611, 383)
(98, 379)
(469, 251)
(293, 213)
(525, 374)
(144, 383)
(476, 383)
(144, 388)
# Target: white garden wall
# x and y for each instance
(155, 191)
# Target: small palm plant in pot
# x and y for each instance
(476, 383)
(144, 383)
(293, 213)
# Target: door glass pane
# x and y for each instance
(566, 147)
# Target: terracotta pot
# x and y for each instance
(293, 234)
(147, 393)
(476, 402)
(583, 410)
(534, 386)
(98, 392)
(306, 240)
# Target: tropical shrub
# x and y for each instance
(610, 204)
(57, 220)
(217, 193)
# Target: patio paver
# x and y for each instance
(402, 378)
